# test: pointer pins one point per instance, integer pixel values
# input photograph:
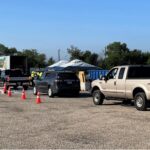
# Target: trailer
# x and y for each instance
(14, 62)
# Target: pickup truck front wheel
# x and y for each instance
(98, 98)
(140, 101)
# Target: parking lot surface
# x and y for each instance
(69, 122)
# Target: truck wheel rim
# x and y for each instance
(96, 98)
(139, 101)
(49, 92)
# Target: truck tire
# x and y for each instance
(34, 90)
(50, 92)
(140, 101)
(98, 98)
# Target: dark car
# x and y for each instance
(57, 83)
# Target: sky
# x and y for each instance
(49, 25)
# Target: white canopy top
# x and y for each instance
(59, 63)
(77, 63)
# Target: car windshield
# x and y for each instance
(67, 76)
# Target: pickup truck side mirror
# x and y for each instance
(103, 78)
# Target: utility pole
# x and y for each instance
(58, 54)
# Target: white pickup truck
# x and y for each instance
(124, 83)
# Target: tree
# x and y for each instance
(50, 61)
(34, 58)
(86, 56)
(74, 53)
(116, 54)
(7, 51)
(41, 60)
(3, 49)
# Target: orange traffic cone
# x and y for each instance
(9, 92)
(38, 99)
(23, 95)
(5, 88)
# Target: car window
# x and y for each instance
(141, 72)
(112, 73)
(67, 76)
(121, 73)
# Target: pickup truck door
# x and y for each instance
(109, 85)
(121, 83)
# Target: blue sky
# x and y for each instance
(49, 25)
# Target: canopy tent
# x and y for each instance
(57, 65)
(79, 65)
(74, 65)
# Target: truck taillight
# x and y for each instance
(8, 79)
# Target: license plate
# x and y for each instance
(69, 82)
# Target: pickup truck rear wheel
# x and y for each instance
(140, 101)
(98, 98)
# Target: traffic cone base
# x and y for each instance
(9, 92)
(23, 95)
(38, 99)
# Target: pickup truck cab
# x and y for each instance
(124, 83)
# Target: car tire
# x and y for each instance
(140, 101)
(34, 90)
(98, 98)
(50, 92)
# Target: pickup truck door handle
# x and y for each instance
(115, 82)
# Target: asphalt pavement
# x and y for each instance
(70, 123)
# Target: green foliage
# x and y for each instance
(86, 56)
(116, 54)
(34, 58)
(7, 51)
(74, 53)
(119, 54)
(50, 61)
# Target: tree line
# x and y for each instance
(115, 53)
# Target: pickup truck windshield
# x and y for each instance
(142, 72)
